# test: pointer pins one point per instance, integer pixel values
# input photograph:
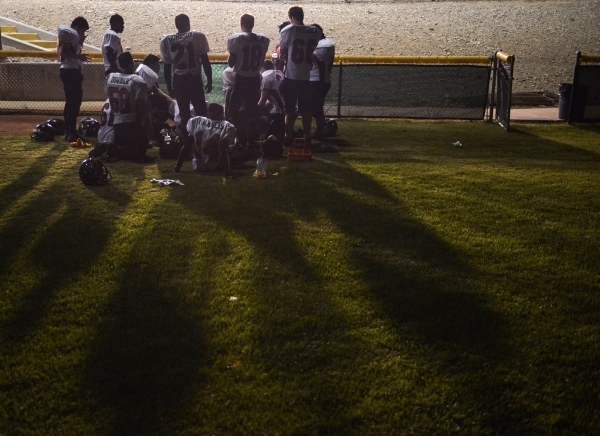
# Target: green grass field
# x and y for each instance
(400, 286)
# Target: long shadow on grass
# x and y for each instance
(149, 349)
(39, 169)
(68, 247)
(417, 279)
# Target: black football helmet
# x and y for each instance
(271, 148)
(169, 145)
(92, 172)
(88, 127)
(59, 126)
(331, 128)
(43, 132)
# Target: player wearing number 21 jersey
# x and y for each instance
(297, 43)
(246, 54)
(184, 52)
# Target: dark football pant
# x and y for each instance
(131, 141)
(72, 80)
(189, 89)
(246, 92)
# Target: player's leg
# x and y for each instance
(288, 90)
(251, 102)
(197, 96)
(318, 92)
(304, 108)
(236, 115)
(73, 86)
(182, 93)
(187, 148)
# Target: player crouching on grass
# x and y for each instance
(127, 93)
(212, 140)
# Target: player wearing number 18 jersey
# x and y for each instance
(297, 43)
(184, 52)
(246, 55)
(127, 93)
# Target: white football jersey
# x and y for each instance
(183, 51)
(299, 42)
(325, 52)
(148, 74)
(106, 133)
(208, 135)
(271, 79)
(250, 50)
(123, 91)
(113, 40)
(69, 38)
(228, 79)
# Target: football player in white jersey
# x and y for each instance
(127, 93)
(271, 102)
(296, 45)
(184, 52)
(111, 44)
(228, 82)
(320, 80)
(247, 52)
(69, 44)
(212, 142)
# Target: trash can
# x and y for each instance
(564, 100)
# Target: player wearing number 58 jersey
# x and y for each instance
(127, 93)
(246, 55)
(296, 44)
(184, 52)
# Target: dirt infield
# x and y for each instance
(17, 125)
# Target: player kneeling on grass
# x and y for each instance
(127, 93)
(212, 142)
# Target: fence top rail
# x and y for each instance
(590, 58)
(340, 59)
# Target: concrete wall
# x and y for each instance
(41, 82)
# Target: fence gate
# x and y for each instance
(502, 95)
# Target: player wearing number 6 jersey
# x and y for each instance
(296, 44)
(184, 52)
(127, 93)
(246, 55)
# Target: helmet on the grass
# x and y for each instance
(331, 128)
(59, 126)
(169, 145)
(88, 127)
(92, 172)
(43, 132)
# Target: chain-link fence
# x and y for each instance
(585, 96)
(402, 87)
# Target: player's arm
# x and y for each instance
(141, 106)
(206, 66)
(111, 55)
(168, 80)
(65, 52)
(231, 60)
(264, 98)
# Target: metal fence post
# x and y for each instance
(494, 72)
(574, 87)
(339, 105)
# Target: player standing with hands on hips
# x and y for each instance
(296, 44)
(184, 52)
(246, 55)
(70, 42)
